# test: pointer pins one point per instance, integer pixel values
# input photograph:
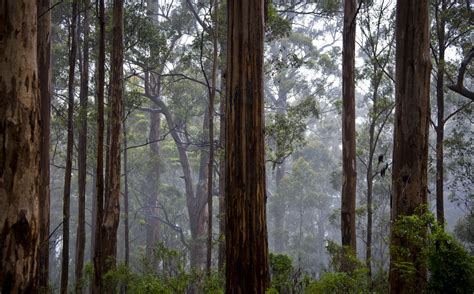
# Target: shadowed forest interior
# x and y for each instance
(225, 146)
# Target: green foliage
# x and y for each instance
(464, 231)
(281, 269)
(354, 281)
(450, 267)
(288, 130)
(276, 26)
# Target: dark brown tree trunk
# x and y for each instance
(441, 34)
(246, 231)
(125, 195)
(348, 197)
(96, 288)
(82, 152)
(44, 79)
(110, 220)
(69, 149)
(20, 131)
(410, 152)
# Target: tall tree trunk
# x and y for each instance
(19, 147)
(82, 152)
(110, 220)
(221, 249)
(69, 149)
(100, 152)
(441, 34)
(246, 231)
(410, 151)
(44, 79)
(125, 198)
(211, 136)
(152, 224)
(348, 197)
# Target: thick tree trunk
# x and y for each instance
(348, 197)
(410, 151)
(440, 116)
(96, 288)
(110, 220)
(19, 148)
(69, 149)
(44, 79)
(246, 231)
(82, 153)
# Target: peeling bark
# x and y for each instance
(19, 147)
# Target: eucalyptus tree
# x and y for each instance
(410, 151)
(20, 148)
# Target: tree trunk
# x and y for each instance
(212, 96)
(246, 231)
(100, 153)
(410, 152)
(19, 148)
(125, 198)
(348, 198)
(221, 249)
(44, 79)
(69, 149)
(152, 224)
(441, 34)
(82, 152)
(110, 220)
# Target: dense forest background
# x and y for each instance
(171, 143)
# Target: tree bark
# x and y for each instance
(212, 96)
(410, 152)
(82, 152)
(221, 248)
(44, 79)
(348, 197)
(19, 147)
(246, 231)
(96, 288)
(110, 220)
(441, 35)
(69, 150)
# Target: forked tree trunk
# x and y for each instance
(69, 150)
(410, 151)
(348, 197)
(246, 231)
(111, 217)
(19, 147)
(44, 79)
(82, 152)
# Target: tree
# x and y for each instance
(348, 197)
(246, 230)
(410, 151)
(69, 148)
(82, 151)
(110, 219)
(448, 30)
(99, 189)
(44, 80)
(20, 131)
